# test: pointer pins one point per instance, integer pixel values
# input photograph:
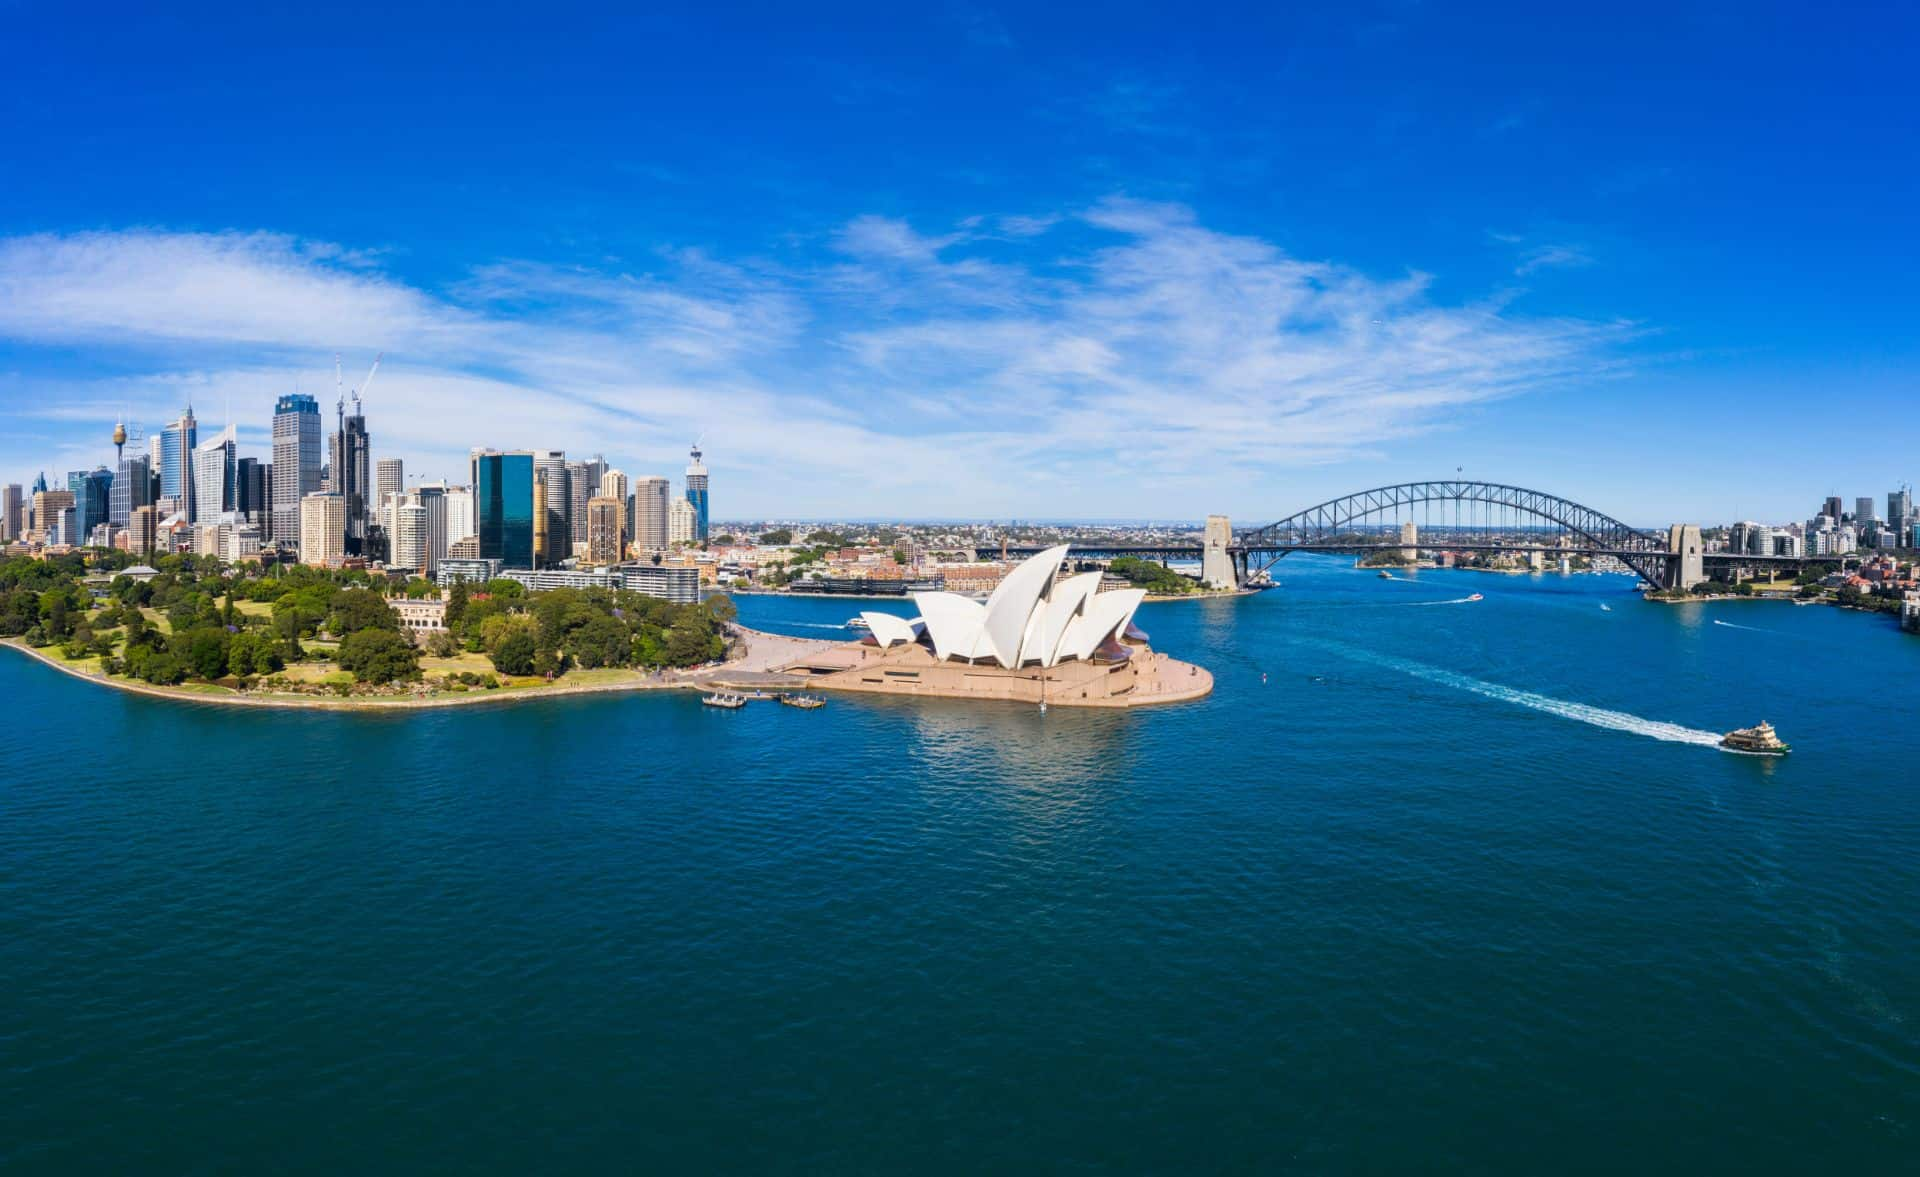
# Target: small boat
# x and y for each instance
(1385, 575)
(807, 702)
(727, 699)
(1759, 740)
(858, 623)
(1605, 608)
(1475, 597)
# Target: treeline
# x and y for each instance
(1157, 579)
(341, 616)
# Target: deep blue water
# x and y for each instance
(1424, 886)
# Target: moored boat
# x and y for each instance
(726, 699)
(1759, 740)
(804, 701)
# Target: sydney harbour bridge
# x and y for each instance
(1449, 515)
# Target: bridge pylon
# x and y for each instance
(1686, 559)
(1217, 569)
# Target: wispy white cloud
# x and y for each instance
(1549, 257)
(1127, 357)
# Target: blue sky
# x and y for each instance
(964, 260)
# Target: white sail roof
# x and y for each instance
(1031, 617)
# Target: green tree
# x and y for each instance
(776, 537)
(378, 656)
(202, 651)
(457, 604)
(603, 641)
(514, 654)
(357, 609)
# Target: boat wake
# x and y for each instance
(1748, 628)
(1619, 721)
(816, 625)
(1448, 601)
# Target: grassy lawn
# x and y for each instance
(254, 608)
(459, 663)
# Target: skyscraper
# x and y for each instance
(603, 530)
(389, 478)
(132, 489)
(552, 526)
(353, 474)
(1900, 513)
(92, 495)
(1832, 509)
(213, 477)
(613, 485)
(503, 501)
(12, 512)
(296, 462)
(583, 482)
(697, 494)
(1863, 510)
(323, 529)
(409, 536)
(682, 523)
(253, 492)
(650, 513)
(177, 443)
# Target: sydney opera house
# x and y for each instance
(1040, 637)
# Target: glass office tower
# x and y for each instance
(503, 504)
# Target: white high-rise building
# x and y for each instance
(409, 534)
(650, 497)
(683, 523)
(460, 519)
(213, 477)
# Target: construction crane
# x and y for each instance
(339, 386)
(368, 382)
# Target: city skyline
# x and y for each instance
(1138, 277)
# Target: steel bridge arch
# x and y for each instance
(1643, 551)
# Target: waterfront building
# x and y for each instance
(504, 507)
(12, 512)
(603, 530)
(178, 439)
(473, 570)
(296, 463)
(213, 478)
(92, 501)
(697, 494)
(323, 529)
(680, 584)
(649, 513)
(683, 523)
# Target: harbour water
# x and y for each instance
(1427, 884)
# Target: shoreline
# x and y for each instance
(322, 703)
